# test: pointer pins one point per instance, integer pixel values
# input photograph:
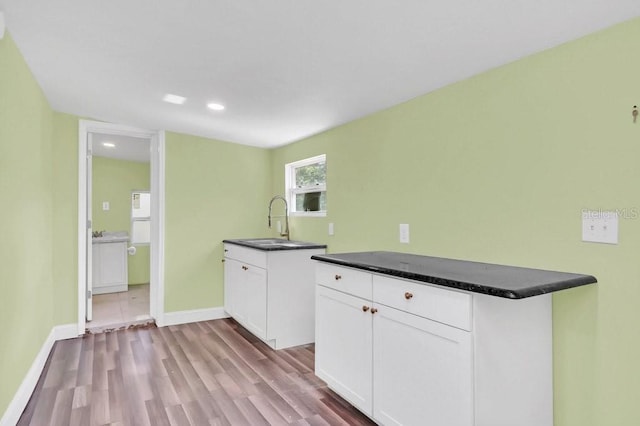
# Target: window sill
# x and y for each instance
(308, 214)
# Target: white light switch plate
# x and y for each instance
(331, 230)
(105, 205)
(404, 233)
(600, 226)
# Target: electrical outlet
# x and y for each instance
(404, 233)
(600, 226)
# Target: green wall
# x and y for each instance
(26, 285)
(113, 181)
(214, 190)
(498, 168)
(65, 218)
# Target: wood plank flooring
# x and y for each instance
(206, 373)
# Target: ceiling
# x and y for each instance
(284, 69)
(124, 147)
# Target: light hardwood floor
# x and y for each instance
(112, 311)
(207, 373)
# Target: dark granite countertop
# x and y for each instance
(496, 280)
(274, 244)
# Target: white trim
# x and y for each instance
(157, 139)
(21, 398)
(309, 214)
(67, 331)
(196, 315)
(156, 292)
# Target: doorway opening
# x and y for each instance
(120, 226)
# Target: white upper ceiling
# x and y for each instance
(284, 69)
(121, 147)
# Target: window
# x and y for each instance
(306, 184)
(140, 217)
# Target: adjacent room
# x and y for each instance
(247, 213)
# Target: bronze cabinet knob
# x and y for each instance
(338, 277)
(365, 308)
(373, 311)
(408, 295)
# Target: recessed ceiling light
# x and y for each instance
(174, 99)
(216, 107)
(108, 145)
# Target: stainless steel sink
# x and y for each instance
(268, 241)
(274, 243)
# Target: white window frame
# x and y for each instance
(290, 185)
(139, 218)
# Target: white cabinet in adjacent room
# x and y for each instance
(109, 266)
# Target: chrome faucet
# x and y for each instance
(286, 215)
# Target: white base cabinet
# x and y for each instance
(271, 293)
(109, 264)
(408, 353)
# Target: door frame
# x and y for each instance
(156, 287)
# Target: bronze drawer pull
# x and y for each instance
(244, 267)
(338, 277)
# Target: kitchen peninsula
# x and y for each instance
(411, 339)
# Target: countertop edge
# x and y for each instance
(109, 241)
(306, 246)
(466, 286)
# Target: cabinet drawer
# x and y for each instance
(445, 306)
(246, 255)
(348, 280)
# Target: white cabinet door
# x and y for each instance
(109, 267)
(422, 371)
(245, 295)
(113, 263)
(255, 292)
(344, 345)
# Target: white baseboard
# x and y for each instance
(21, 398)
(184, 317)
(67, 331)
